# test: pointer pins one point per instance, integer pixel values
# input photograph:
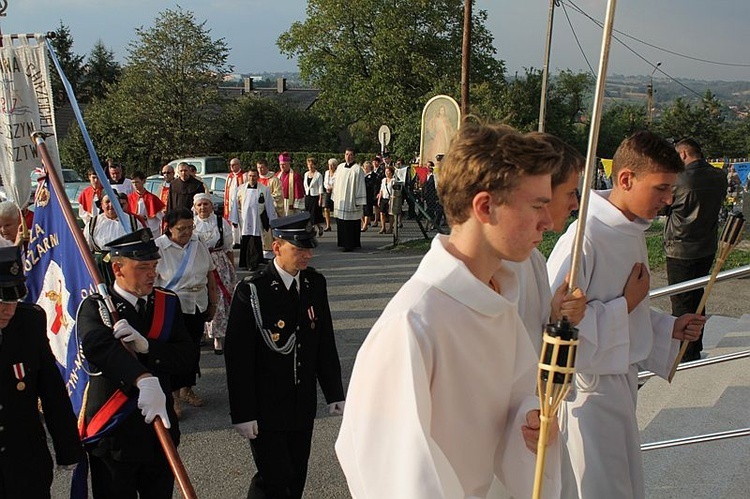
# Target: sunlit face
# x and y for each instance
(285, 166)
(515, 228)
(138, 184)
(168, 173)
(291, 258)
(564, 201)
(182, 231)
(310, 165)
(388, 173)
(262, 169)
(94, 181)
(7, 310)
(9, 228)
(645, 194)
(134, 276)
(235, 166)
(204, 208)
(184, 172)
(349, 157)
(108, 209)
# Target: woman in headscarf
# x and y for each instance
(216, 233)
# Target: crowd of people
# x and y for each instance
(172, 277)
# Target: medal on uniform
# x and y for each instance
(311, 315)
(280, 324)
(20, 374)
(275, 337)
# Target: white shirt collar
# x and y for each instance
(286, 277)
(129, 297)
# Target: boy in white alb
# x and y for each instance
(619, 334)
(441, 398)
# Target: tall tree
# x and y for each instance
(71, 64)
(379, 61)
(166, 103)
(101, 71)
(703, 122)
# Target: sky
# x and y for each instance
(711, 30)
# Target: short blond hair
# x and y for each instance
(489, 158)
(646, 152)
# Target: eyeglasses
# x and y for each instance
(185, 228)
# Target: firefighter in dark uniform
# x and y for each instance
(27, 372)
(279, 341)
(129, 460)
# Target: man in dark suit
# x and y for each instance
(28, 372)
(129, 460)
(279, 340)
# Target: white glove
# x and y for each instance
(337, 408)
(125, 332)
(249, 430)
(151, 401)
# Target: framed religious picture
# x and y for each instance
(440, 120)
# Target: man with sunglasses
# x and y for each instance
(168, 173)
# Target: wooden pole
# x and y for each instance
(466, 58)
(161, 431)
(545, 68)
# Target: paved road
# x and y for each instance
(360, 285)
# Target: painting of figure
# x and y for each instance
(440, 120)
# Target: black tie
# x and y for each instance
(293, 290)
(142, 310)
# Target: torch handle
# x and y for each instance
(541, 453)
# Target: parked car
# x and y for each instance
(204, 164)
(216, 183)
(68, 175)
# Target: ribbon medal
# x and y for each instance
(311, 315)
(20, 374)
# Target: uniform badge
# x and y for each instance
(275, 285)
(280, 324)
(20, 373)
(14, 269)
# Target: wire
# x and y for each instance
(697, 59)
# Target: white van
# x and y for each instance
(204, 164)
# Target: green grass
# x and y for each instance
(654, 237)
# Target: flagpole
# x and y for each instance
(161, 431)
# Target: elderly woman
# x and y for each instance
(216, 233)
(187, 269)
(106, 227)
(9, 224)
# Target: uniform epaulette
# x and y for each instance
(30, 306)
(255, 275)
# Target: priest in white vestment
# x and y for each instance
(349, 198)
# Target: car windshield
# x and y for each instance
(216, 165)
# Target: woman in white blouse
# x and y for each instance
(187, 269)
(328, 181)
(313, 182)
(216, 233)
(384, 200)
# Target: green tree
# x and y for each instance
(166, 103)
(704, 123)
(379, 61)
(71, 64)
(618, 122)
(101, 71)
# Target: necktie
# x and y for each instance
(142, 310)
(293, 290)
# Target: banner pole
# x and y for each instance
(161, 431)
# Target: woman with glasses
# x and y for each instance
(187, 269)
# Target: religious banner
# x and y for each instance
(58, 281)
(441, 118)
(26, 106)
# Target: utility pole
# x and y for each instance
(465, 58)
(545, 70)
(650, 94)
